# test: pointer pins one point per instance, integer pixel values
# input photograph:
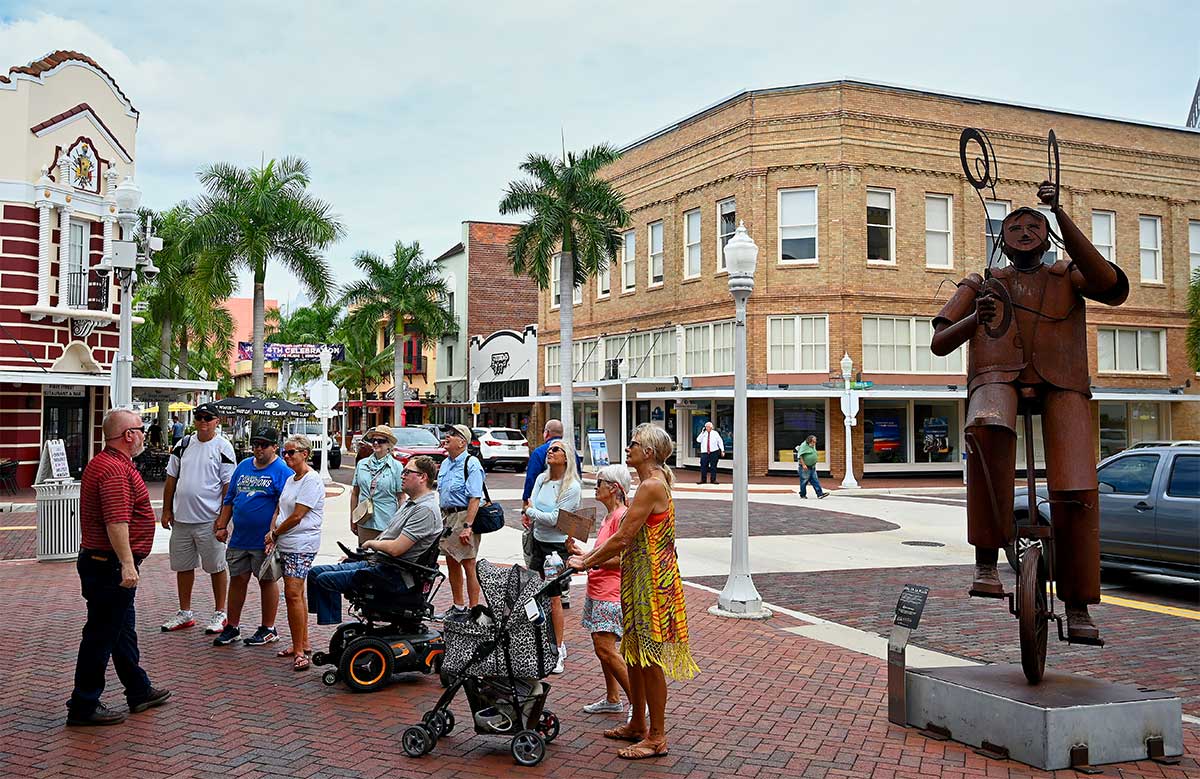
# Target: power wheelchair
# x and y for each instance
(389, 634)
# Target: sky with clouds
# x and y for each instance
(415, 115)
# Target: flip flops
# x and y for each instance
(291, 652)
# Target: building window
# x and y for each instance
(996, 211)
(798, 225)
(553, 364)
(885, 431)
(662, 362)
(726, 227)
(1123, 424)
(74, 289)
(449, 360)
(1193, 248)
(901, 345)
(587, 360)
(1150, 244)
(691, 244)
(629, 261)
(604, 279)
(1051, 255)
(881, 226)
(797, 344)
(555, 275)
(1104, 236)
(939, 236)
(656, 253)
(708, 349)
(793, 421)
(1130, 351)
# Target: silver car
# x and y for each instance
(1149, 510)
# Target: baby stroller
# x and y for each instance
(499, 657)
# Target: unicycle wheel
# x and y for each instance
(1033, 614)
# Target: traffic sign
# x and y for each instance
(324, 394)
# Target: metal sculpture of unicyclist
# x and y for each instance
(1025, 323)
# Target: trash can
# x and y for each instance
(58, 530)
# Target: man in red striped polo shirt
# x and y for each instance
(118, 530)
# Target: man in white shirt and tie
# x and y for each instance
(711, 447)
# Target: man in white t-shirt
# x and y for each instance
(198, 474)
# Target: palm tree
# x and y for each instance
(1193, 326)
(408, 294)
(251, 217)
(578, 214)
(364, 364)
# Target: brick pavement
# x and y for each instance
(1142, 648)
(768, 704)
(711, 519)
(16, 544)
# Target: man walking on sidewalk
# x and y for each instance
(250, 502)
(711, 447)
(117, 521)
(198, 474)
(806, 456)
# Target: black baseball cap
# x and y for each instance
(266, 434)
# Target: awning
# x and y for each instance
(551, 398)
(178, 386)
(383, 404)
(885, 391)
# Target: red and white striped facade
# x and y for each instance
(67, 134)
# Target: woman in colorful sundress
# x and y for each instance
(654, 617)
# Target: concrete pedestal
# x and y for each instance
(1040, 724)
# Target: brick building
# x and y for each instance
(856, 198)
(486, 298)
(68, 133)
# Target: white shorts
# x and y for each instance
(193, 546)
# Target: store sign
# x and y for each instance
(63, 391)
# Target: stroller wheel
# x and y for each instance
(548, 726)
(440, 722)
(330, 677)
(367, 664)
(417, 741)
(528, 748)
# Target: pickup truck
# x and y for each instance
(1149, 511)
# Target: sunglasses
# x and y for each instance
(261, 444)
(204, 418)
(374, 441)
(408, 472)
(556, 449)
(138, 429)
(289, 452)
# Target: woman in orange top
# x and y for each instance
(655, 644)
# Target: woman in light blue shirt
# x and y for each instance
(376, 478)
(558, 487)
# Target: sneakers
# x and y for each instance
(822, 496)
(264, 635)
(604, 706)
(801, 494)
(101, 715)
(182, 619)
(453, 614)
(559, 667)
(216, 623)
(153, 698)
(229, 634)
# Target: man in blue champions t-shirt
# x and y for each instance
(250, 503)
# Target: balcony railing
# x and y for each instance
(77, 289)
(415, 365)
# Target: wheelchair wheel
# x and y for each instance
(330, 677)
(1032, 614)
(367, 664)
(548, 726)
(319, 658)
(528, 748)
(417, 741)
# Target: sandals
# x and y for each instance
(644, 749)
(622, 733)
(302, 662)
(291, 652)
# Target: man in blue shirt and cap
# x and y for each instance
(460, 489)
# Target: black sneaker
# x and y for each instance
(101, 715)
(264, 635)
(823, 496)
(453, 614)
(230, 634)
(154, 697)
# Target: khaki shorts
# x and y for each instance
(193, 546)
(246, 561)
(450, 544)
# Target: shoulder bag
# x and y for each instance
(490, 516)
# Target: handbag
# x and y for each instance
(271, 568)
(366, 506)
(490, 516)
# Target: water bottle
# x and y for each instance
(553, 566)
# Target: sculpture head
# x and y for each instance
(1025, 237)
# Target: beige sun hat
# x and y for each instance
(384, 431)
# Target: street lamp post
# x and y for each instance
(740, 598)
(850, 417)
(124, 263)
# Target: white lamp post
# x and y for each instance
(740, 598)
(324, 395)
(125, 262)
(850, 417)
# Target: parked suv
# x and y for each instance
(313, 431)
(501, 446)
(1149, 510)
